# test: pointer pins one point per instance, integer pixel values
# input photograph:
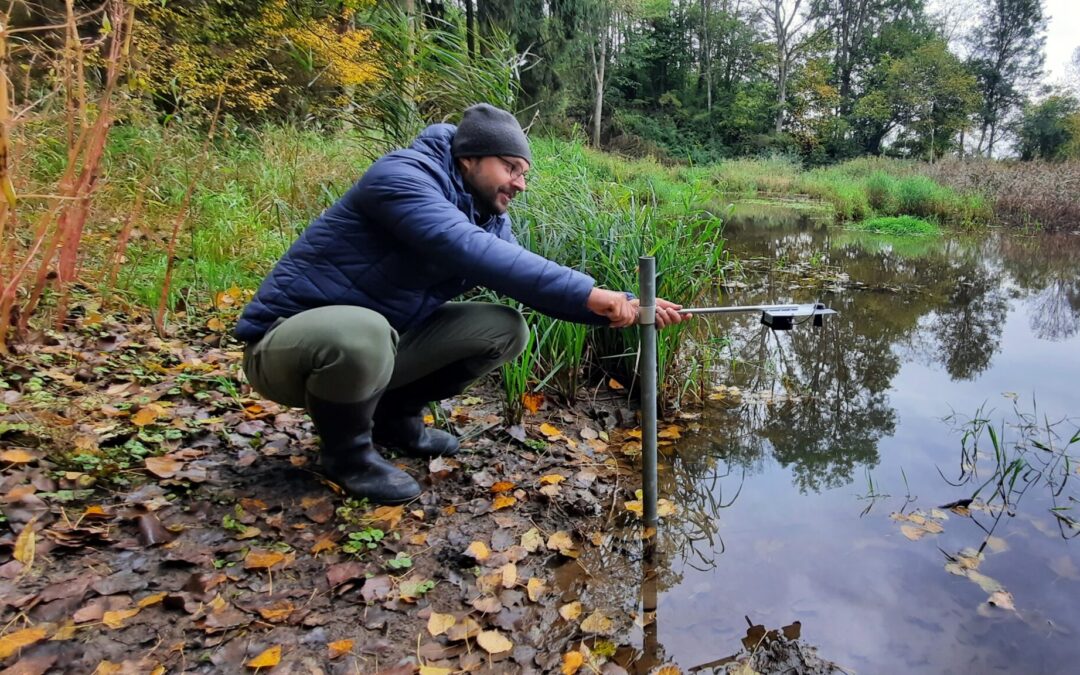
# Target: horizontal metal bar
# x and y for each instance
(735, 309)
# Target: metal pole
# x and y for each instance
(647, 367)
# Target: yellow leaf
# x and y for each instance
(108, 668)
(324, 544)
(562, 542)
(509, 575)
(536, 588)
(340, 648)
(597, 623)
(13, 642)
(503, 501)
(532, 540)
(494, 642)
(502, 486)
(673, 431)
(148, 414)
(615, 384)
(117, 618)
(664, 508)
(668, 670)
(26, 544)
(17, 456)
(552, 479)
(570, 611)
(635, 507)
(151, 600)
(479, 551)
(532, 401)
(268, 659)
(391, 515)
(634, 433)
(64, 632)
(551, 432)
(571, 662)
(215, 324)
(163, 467)
(262, 559)
(440, 623)
(278, 611)
(432, 670)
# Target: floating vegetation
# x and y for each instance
(898, 226)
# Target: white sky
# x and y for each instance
(1062, 37)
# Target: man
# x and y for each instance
(354, 322)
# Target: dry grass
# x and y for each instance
(1041, 195)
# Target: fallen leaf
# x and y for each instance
(551, 432)
(664, 508)
(572, 661)
(148, 414)
(464, 629)
(912, 532)
(532, 401)
(151, 600)
(597, 623)
(278, 611)
(13, 642)
(494, 642)
(552, 479)
(673, 431)
(635, 507)
(1002, 599)
(389, 515)
(532, 540)
(440, 623)
(324, 544)
(117, 618)
(536, 588)
(487, 605)
(268, 659)
(674, 670)
(503, 502)
(570, 611)
(433, 670)
(257, 559)
(339, 648)
(562, 542)
(509, 575)
(164, 467)
(26, 544)
(17, 456)
(502, 486)
(479, 551)
(616, 385)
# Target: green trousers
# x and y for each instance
(347, 354)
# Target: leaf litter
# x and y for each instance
(151, 496)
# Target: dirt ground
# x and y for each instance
(159, 517)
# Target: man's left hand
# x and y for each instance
(667, 313)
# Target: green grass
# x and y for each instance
(898, 226)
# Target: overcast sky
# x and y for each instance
(1062, 37)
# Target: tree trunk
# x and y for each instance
(470, 28)
(599, 64)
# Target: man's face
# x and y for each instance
(494, 180)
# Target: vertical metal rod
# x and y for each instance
(647, 368)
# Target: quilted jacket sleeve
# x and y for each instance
(412, 204)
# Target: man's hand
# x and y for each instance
(621, 312)
(614, 306)
(667, 313)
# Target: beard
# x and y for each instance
(492, 201)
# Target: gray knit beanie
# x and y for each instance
(486, 130)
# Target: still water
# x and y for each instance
(817, 492)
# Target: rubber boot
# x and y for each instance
(399, 420)
(349, 457)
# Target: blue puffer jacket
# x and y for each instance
(405, 239)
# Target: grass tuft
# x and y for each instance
(899, 226)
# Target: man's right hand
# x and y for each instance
(614, 306)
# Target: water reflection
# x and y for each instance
(768, 489)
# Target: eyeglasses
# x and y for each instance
(513, 169)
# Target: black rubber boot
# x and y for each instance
(350, 459)
(399, 418)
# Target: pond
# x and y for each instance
(899, 481)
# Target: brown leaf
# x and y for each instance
(502, 486)
(257, 559)
(151, 531)
(389, 516)
(26, 544)
(503, 502)
(148, 414)
(1002, 599)
(440, 623)
(494, 642)
(562, 542)
(17, 456)
(552, 479)
(164, 467)
(487, 604)
(616, 385)
(278, 611)
(339, 648)
(532, 401)
(324, 544)
(268, 659)
(463, 629)
(13, 642)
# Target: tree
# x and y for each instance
(1007, 56)
(1047, 128)
(787, 27)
